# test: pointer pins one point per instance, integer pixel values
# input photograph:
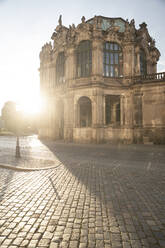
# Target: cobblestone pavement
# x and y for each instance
(100, 196)
(34, 154)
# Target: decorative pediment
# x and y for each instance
(113, 34)
(84, 30)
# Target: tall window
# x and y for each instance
(143, 63)
(60, 68)
(84, 59)
(113, 60)
(85, 112)
(112, 109)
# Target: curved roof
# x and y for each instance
(107, 22)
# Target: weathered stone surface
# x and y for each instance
(139, 114)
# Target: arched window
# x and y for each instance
(143, 63)
(60, 68)
(85, 112)
(84, 59)
(113, 60)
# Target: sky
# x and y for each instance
(26, 25)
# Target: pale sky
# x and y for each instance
(26, 25)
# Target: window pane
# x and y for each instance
(112, 71)
(116, 72)
(107, 70)
(107, 45)
(104, 73)
(116, 58)
(111, 46)
(107, 58)
(116, 47)
(111, 54)
(105, 54)
(118, 112)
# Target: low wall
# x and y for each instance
(118, 135)
(82, 135)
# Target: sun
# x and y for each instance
(30, 106)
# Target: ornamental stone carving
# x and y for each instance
(129, 34)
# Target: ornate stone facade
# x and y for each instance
(101, 84)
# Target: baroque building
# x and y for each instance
(100, 83)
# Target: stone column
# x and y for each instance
(70, 65)
(97, 59)
(128, 60)
(98, 115)
(137, 61)
(122, 109)
(68, 117)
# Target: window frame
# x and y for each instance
(60, 68)
(112, 60)
(84, 112)
(84, 59)
(143, 62)
(112, 110)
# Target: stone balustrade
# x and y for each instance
(149, 78)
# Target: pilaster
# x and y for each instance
(97, 58)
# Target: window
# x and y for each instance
(84, 59)
(60, 68)
(112, 109)
(143, 63)
(85, 112)
(113, 60)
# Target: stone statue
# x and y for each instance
(83, 19)
(152, 43)
(60, 20)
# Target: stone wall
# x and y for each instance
(142, 112)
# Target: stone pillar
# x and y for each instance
(128, 60)
(154, 68)
(122, 109)
(98, 115)
(137, 58)
(97, 58)
(70, 65)
(68, 117)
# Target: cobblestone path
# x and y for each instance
(99, 198)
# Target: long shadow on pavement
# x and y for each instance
(126, 182)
